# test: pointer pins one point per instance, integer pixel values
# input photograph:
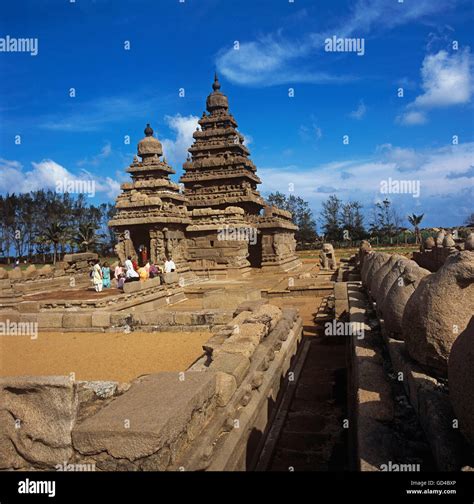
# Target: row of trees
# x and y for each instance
(346, 221)
(45, 223)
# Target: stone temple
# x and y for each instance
(219, 224)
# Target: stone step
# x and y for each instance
(302, 441)
(320, 391)
(294, 460)
(305, 421)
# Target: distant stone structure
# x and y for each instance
(327, 257)
(435, 250)
(219, 223)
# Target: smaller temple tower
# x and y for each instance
(151, 215)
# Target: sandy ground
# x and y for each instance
(100, 356)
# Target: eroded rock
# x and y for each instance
(36, 418)
(379, 275)
(438, 311)
(461, 380)
(389, 279)
(397, 297)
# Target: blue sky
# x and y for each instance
(264, 51)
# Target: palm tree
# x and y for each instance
(55, 234)
(415, 220)
(87, 237)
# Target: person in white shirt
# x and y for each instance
(97, 276)
(130, 272)
(170, 266)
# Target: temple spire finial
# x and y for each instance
(216, 84)
(148, 130)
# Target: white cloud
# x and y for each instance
(47, 174)
(405, 159)
(268, 62)
(359, 112)
(176, 150)
(442, 173)
(412, 117)
(248, 139)
(446, 81)
(274, 59)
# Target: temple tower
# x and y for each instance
(221, 188)
(219, 173)
(151, 212)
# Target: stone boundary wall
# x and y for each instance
(141, 295)
(101, 321)
(371, 399)
(72, 264)
(204, 418)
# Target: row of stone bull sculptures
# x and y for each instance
(433, 314)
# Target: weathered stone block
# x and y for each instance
(153, 318)
(241, 346)
(36, 417)
(155, 412)
(15, 274)
(282, 330)
(30, 272)
(120, 319)
(29, 307)
(9, 317)
(234, 364)
(226, 386)
(81, 256)
(31, 318)
(250, 306)
(129, 287)
(79, 320)
(214, 342)
(252, 332)
(46, 270)
(229, 299)
(170, 278)
(183, 318)
(5, 284)
(100, 319)
(50, 319)
(268, 314)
